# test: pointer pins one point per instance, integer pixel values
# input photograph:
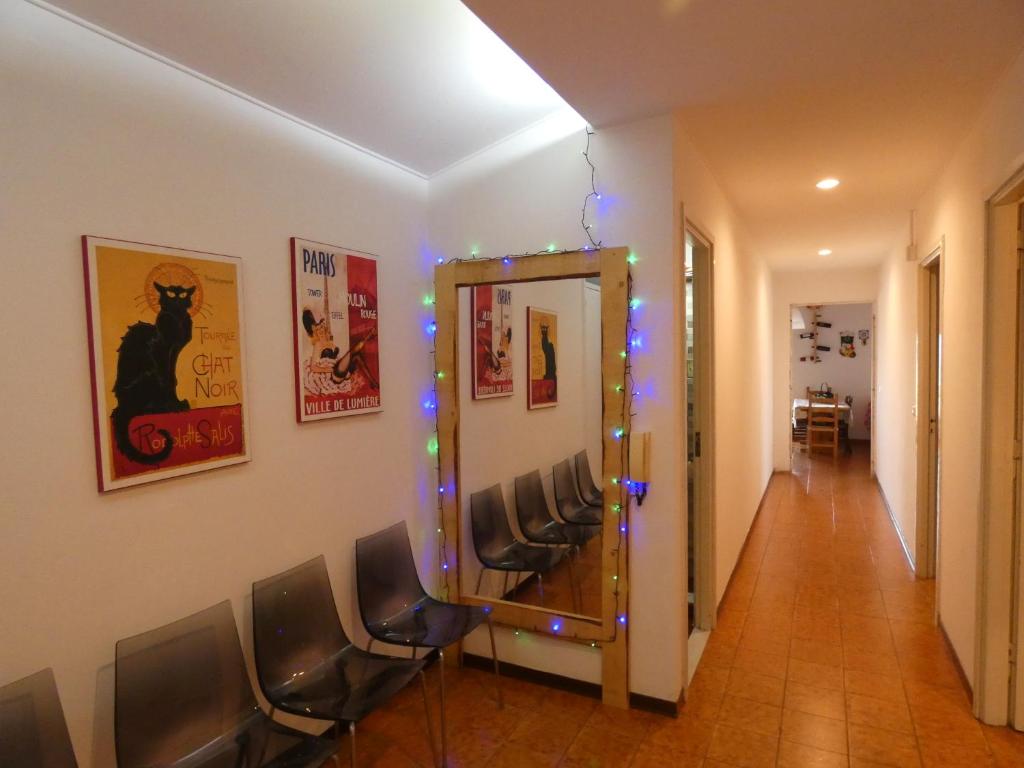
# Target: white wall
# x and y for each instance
(846, 375)
(95, 138)
(953, 209)
(824, 286)
(499, 438)
(523, 195)
(742, 389)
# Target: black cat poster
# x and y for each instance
(167, 361)
(542, 351)
(336, 331)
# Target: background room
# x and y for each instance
(831, 349)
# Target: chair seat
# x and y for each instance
(551, 532)
(428, 623)
(582, 514)
(347, 686)
(523, 557)
(581, 534)
(594, 500)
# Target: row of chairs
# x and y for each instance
(182, 695)
(548, 540)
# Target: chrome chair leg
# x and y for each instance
(540, 586)
(352, 741)
(430, 726)
(444, 723)
(494, 655)
(479, 581)
(504, 586)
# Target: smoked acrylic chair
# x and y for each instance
(33, 731)
(182, 699)
(306, 664)
(497, 547)
(395, 608)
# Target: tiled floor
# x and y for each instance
(825, 655)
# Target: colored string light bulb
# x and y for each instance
(631, 259)
(428, 301)
(622, 619)
(440, 259)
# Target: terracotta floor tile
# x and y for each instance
(941, 754)
(793, 755)
(771, 664)
(816, 675)
(743, 749)
(756, 687)
(815, 701)
(888, 687)
(750, 715)
(682, 734)
(949, 724)
(595, 747)
(878, 713)
(649, 756)
(816, 651)
(884, 747)
(518, 756)
(879, 663)
(814, 731)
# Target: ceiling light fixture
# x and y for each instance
(828, 183)
(825, 252)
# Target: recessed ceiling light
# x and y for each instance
(825, 252)
(828, 183)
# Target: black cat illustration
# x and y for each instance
(549, 355)
(147, 360)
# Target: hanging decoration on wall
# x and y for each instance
(846, 347)
(864, 334)
(335, 318)
(812, 335)
(542, 354)
(167, 361)
(491, 317)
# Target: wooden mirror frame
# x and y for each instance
(612, 266)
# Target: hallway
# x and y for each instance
(825, 655)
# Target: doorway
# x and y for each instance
(699, 319)
(832, 360)
(929, 399)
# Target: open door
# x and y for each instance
(699, 435)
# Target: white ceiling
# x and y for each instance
(421, 82)
(779, 94)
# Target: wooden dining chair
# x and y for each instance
(822, 422)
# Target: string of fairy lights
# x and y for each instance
(627, 389)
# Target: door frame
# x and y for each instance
(999, 514)
(929, 294)
(705, 604)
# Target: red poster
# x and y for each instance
(492, 341)
(337, 343)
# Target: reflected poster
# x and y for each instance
(492, 341)
(336, 329)
(167, 360)
(542, 347)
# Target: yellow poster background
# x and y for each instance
(209, 368)
(539, 317)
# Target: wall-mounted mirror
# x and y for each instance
(529, 433)
(533, 426)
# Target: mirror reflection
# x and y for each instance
(530, 443)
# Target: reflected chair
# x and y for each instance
(535, 520)
(33, 731)
(570, 507)
(395, 608)
(182, 699)
(306, 664)
(495, 544)
(539, 527)
(589, 492)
